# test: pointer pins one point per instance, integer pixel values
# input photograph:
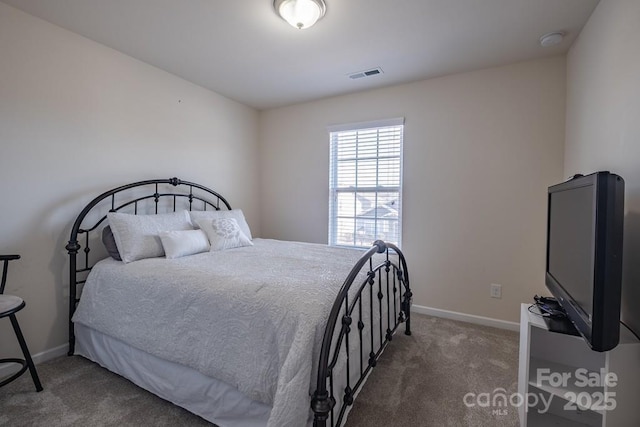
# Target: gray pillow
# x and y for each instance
(110, 243)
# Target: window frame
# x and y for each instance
(378, 189)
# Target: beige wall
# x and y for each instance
(480, 150)
(603, 119)
(77, 118)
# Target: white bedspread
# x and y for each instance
(252, 317)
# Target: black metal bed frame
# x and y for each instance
(388, 275)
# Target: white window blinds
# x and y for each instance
(366, 183)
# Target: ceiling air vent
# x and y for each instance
(367, 73)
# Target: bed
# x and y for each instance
(262, 333)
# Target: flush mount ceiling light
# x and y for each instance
(551, 39)
(300, 14)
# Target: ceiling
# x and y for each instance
(243, 50)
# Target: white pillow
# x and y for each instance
(234, 213)
(137, 235)
(179, 243)
(223, 233)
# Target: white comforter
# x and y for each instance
(252, 317)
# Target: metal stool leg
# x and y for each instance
(25, 351)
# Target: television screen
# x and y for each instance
(571, 244)
(584, 254)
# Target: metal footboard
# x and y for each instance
(387, 294)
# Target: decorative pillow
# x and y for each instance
(234, 213)
(110, 243)
(179, 243)
(137, 235)
(223, 233)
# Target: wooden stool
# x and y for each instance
(9, 306)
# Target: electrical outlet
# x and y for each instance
(496, 291)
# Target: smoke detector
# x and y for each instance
(551, 39)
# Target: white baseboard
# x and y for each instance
(43, 356)
(469, 318)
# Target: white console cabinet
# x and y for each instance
(565, 383)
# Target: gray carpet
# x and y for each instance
(421, 381)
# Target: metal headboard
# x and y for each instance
(179, 194)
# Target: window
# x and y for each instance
(365, 187)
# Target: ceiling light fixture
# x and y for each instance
(551, 39)
(300, 14)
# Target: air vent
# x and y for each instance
(367, 73)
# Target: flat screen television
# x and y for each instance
(584, 254)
